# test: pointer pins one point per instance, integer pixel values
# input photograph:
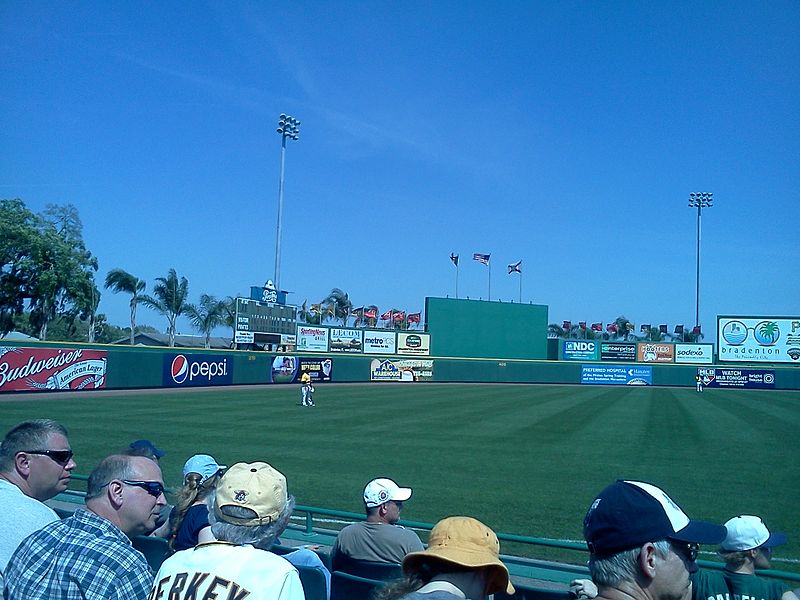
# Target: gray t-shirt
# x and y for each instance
(21, 516)
(377, 542)
(436, 595)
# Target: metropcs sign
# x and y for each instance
(192, 370)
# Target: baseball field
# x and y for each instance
(526, 459)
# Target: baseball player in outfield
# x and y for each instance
(306, 390)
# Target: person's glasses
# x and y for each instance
(154, 488)
(686, 550)
(62, 457)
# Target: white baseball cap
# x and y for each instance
(747, 532)
(380, 491)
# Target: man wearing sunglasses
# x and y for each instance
(35, 465)
(89, 555)
(642, 545)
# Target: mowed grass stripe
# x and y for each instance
(525, 458)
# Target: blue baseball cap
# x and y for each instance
(628, 514)
(148, 446)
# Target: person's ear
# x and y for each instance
(114, 493)
(22, 462)
(647, 560)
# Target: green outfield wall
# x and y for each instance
(59, 365)
(476, 329)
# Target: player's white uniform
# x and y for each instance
(222, 570)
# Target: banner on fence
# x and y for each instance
(401, 369)
(618, 351)
(414, 343)
(759, 339)
(312, 339)
(610, 375)
(659, 352)
(47, 369)
(738, 378)
(694, 354)
(195, 370)
(380, 342)
(579, 349)
(289, 369)
(346, 340)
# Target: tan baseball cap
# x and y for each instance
(466, 542)
(254, 486)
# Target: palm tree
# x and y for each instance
(340, 304)
(207, 316)
(119, 280)
(229, 314)
(169, 299)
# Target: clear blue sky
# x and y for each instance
(567, 135)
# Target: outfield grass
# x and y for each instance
(525, 459)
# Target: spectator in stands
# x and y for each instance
(189, 522)
(35, 465)
(379, 538)
(88, 555)
(462, 561)
(642, 545)
(144, 448)
(747, 547)
(251, 507)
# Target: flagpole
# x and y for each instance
(489, 264)
(520, 287)
(456, 281)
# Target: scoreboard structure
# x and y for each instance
(259, 322)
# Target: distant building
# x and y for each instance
(181, 341)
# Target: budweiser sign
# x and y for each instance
(33, 369)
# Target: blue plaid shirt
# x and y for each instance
(83, 557)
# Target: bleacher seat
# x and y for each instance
(366, 568)
(155, 549)
(314, 585)
(345, 586)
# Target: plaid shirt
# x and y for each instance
(83, 557)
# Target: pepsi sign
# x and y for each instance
(194, 370)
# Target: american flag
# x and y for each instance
(515, 268)
(414, 317)
(454, 258)
(481, 258)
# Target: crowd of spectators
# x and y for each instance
(225, 525)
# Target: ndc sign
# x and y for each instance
(193, 370)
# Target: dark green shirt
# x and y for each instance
(752, 587)
(708, 584)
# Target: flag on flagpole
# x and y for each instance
(386, 316)
(679, 329)
(399, 316)
(481, 258)
(454, 258)
(597, 326)
(567, 325)
(370, 313)
(662, 328)
(414, 317)
(515, 268)
(357, 312)
(611, 328)
(644, 327)
(582, 324)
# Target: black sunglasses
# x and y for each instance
(154, 488)
(62, 457)
(686, 550)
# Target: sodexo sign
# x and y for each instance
(185, 370)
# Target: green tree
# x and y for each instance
(339, 304)
(169, 298)
(229, 314)
(19, 244)
(119, 280)
(206, 316)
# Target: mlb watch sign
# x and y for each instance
(193, 370)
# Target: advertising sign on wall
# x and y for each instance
(37, 369)
(610, 375)
(244, 337)
(401, 369)
(579, 349)
(289, 369)
(346, 340)
(312, 339)
(617, 351)
(414, 343)
(759, 339)
(659, 352)
(379, 342)
(694, 353)
(738, 378)
(193, 370)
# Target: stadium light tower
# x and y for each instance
(699, 200)
(289, 128)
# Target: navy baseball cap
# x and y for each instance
(628, 514)
(148, 446)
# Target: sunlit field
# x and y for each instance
(526, 459)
